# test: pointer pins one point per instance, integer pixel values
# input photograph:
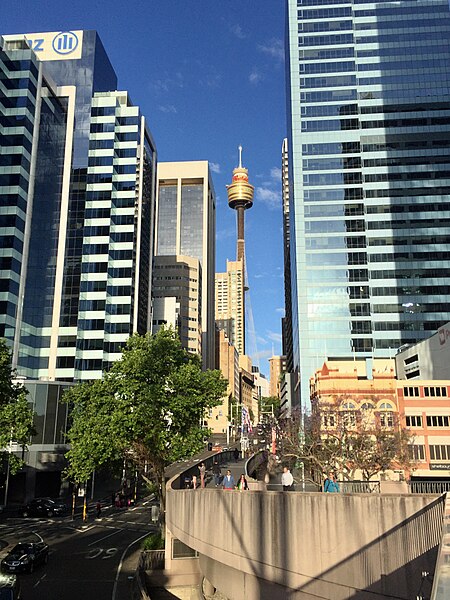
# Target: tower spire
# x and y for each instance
(240, 156)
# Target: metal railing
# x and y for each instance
(359, 487)
(429, 487)
(151, 560)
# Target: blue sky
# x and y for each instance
(208, 75)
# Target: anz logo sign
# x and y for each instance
(57, 45)
(65, 42)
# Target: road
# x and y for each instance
(84, 558)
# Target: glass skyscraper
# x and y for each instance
(77, 196)
(369, 158)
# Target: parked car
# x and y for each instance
(25, 557)
(44, 507)
(9, 587)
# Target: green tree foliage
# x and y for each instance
(16, 417)
(148, 409)
(270, 404)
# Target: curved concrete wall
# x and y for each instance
(258, 545)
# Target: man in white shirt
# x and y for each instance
(287, 480)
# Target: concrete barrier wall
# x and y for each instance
(258, 545)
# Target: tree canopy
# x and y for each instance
(148, 408)
(16, 417)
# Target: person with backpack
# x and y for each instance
(331, 485)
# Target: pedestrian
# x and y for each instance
(287, 480)
(228, 481)
(331, 485)
(194, 482)
(216, 473)
(242, 483)
(117, 500)
(236, 455)
(98, 508)
(202, 470)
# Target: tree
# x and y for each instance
(148, 409)
(270, 404)
(350, 441)
(16, 417)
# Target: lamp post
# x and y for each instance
(8, 469)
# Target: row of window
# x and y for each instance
(431, 421)
(428, 391)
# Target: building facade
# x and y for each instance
(429, 359)
(277, 366)
(230, 291)
(78, 190)
(177, 298)
(368, 119)
(186, 226)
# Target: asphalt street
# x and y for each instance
(86, 560)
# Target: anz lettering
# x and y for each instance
(444, 334)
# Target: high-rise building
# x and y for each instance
(230, 290)
(277, 366)
(368, 120)
(186, 226)
(77, 190)
(177, 298)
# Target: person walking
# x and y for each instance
(216, 473)
(228, 481)
(331, 485)
(287, 480)
(194, 482)
(236, 454)
(242, 483)
(202, 470)
(98, 508)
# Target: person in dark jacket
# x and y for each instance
(236, 454)
(216, 473)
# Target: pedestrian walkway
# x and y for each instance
(236, 468)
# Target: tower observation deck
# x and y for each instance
(240, 198)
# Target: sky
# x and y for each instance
(208, 75)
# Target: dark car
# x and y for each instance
(9, 587)
(44, 507)
(25, 557)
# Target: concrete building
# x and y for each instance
(230, 292)
(277, 366)
(186, 226)
(286, 328)
(177, 298)
(368, 92)
(77, 192)
(429, 359)
(220, 418)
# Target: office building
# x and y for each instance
(368, 119)
(177, 298)
(286, 323)
(77, 193)
(230, 291)
(277, 366)
(186, 227)
(429, 359)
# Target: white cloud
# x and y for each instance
(271, 198)
(280, 310)
(274, 48)
(165, 85)
(169, 108)
(274, 337)
(275, 173)
(238, 31)
(215, 167)
(262, 354)
(255, 77)
(223, 234)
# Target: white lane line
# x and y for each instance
(39, 580)
(121, 562)
(37, 534)
(104, 538)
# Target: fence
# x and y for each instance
(359, 487)
(429, 487)
(151, 560)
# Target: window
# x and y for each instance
(180, 550)
(413, 421)
(435, 391)
(438, 420)
(417, 452)
(440, 452)
(411, 392)
(328, 420)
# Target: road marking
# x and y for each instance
(119, 568)
(37, 534)
(104, 538)
(39, 580)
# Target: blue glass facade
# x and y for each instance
(369, 118)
